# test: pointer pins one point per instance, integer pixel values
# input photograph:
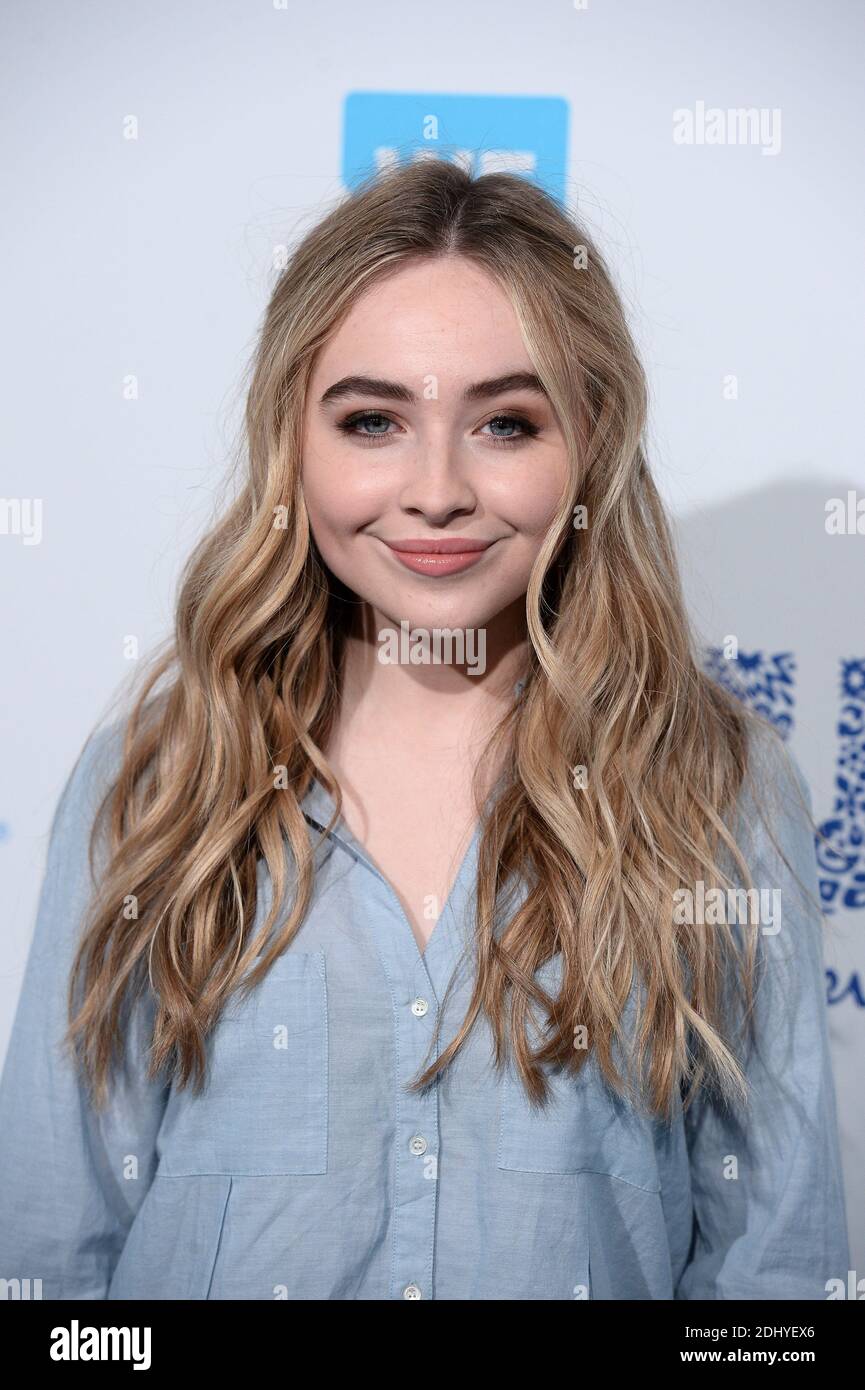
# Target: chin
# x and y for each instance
(433, 613)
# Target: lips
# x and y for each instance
(442, 556)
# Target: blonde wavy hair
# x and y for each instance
(250, 684)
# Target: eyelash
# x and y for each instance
(529, 430)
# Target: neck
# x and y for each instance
(437, 708)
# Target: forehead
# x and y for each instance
(442, 315)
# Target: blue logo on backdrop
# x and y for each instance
(485, 134)
(764, 681)
(767, 682)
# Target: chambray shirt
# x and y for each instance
(307, 1170)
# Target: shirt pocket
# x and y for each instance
(264, 1109)
(583, 1128)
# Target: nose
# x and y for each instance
(438, 487)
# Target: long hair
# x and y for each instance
(226, 734)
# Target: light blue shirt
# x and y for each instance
(306, 1170)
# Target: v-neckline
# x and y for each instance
(318, 806)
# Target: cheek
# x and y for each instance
(341, 496)
(529, 499)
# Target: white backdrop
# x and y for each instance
(155, 157)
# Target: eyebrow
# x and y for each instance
(396, 391)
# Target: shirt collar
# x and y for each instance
(318, 807)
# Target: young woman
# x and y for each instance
(393, 916)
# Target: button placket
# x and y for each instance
(416, 1174)
(417, 983)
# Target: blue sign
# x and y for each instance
(485, 134)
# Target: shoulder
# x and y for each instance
(772, 765)
(91, 776)
(774, 790)
(75, 861)
(776, 836)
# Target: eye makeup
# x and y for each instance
(348, 426)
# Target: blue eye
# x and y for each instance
(370, 427)
(525, 427)
(373, 418)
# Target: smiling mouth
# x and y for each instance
(436, 558)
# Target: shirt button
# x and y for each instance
(411, 1291)
(417, 1144)
(419, 1007)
